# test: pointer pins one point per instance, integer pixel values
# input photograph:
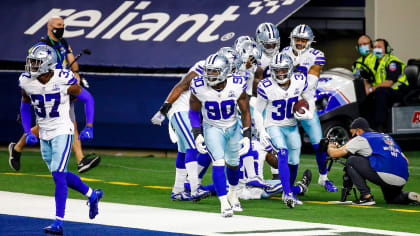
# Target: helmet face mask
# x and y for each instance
(301, 38)
(240, 40)
(233, 57)
(268, 37)
(216, 69)
(281, 68)
(41, 60)
(250, 52)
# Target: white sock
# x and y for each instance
(261, 160)
(180, 178)
(322, 179)
(192, 170)
(249, 166)
(224, 202)
(274, 171)
(89, 192)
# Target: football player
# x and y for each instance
(217, 98)
(277, 95)
(309, 61)
(48, 90)
(176, 108)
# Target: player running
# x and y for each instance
(48, 90)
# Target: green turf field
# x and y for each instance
(131, 179)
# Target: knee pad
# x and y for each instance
(219, 162)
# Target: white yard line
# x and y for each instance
(170, 220)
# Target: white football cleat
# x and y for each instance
(234, 200)
(228, 212)
(289, 200)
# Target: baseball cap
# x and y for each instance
(360, 123)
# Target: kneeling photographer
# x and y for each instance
(375, 157)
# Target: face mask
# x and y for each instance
(378, 52)
(58, 32)
(364, 50)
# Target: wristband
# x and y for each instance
(247, 132)
(165, 108)
(196, 131)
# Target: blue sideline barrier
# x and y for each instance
(123, 108)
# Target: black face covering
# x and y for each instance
(58, 32)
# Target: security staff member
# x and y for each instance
(377, 158)
(389, 86)
(364, 47)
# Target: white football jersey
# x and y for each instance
(279, 102)
(219, 108)
(51, 102)
(265, 64)
(305, 61)
(183, 101)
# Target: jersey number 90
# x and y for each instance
(216, 111)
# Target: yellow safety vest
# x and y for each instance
(368, 60)
(380, 73)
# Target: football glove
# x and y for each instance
(246, 145)
(308, 115)
(30, 139)
(158, 118)
(265, 140)
(86, 134)
(200, 145)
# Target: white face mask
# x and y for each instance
(378, 52)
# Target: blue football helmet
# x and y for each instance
(302, 32)
(216, 69)
(241, 39)
(233, 56)
(268, 37)
(41, 59)
(249, 50)
(281, 68)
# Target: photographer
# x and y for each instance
(377, 158)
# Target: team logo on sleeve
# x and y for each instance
(392, 66)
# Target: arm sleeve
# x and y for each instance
(87, 98)
(393, 71)
(260, 105)
(25, 113)
(194, 118)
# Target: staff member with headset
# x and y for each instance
(389, 86)
(65, 57)
(364, 47)
(377, 158)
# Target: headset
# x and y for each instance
(370, 40)
(388, 48)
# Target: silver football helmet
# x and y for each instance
(268, 37)
(216, 69)
(249, 50)
(41, 59)
(301, 32)
(233, 56)
(281, 68)
(241, 39)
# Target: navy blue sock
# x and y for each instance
(283, 167)
(256, 163)
(60, 193)
(296, 189)
(321, 157)
(232, 176)
(190, 155)
(293, 173)
(210, 188)
(74, 182)
(203, 160)
(187, 187)
(180, 160)
(219, 180)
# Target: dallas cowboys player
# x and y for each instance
(176, 108)
(217, 97)
(309, 61)
(276, 95)
(48, 90)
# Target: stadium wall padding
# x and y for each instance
(124, 106)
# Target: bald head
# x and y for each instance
(54, 23)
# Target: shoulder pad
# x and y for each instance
(66, 76)
(196, 83)
(23, 78)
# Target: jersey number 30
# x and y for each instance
(40, 107)
(284, 108)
